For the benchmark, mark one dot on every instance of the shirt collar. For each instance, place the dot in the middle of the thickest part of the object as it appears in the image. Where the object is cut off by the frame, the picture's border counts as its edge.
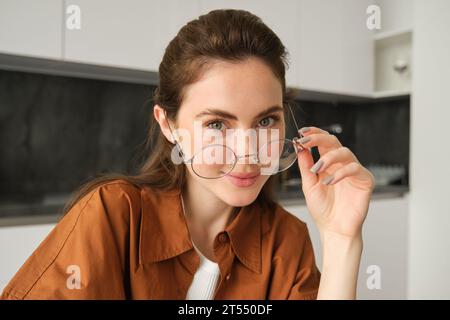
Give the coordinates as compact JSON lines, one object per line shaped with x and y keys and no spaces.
{"x":164,"y":232}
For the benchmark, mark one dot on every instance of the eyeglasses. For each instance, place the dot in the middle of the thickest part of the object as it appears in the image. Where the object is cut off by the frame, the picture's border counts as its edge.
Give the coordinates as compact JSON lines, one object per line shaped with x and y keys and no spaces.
{"x":217,"y":160}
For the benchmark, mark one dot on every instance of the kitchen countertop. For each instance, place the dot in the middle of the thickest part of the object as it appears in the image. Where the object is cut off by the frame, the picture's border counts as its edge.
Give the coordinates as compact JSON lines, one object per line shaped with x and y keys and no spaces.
{"x":14,"y":215}
{"x":296,"y":197}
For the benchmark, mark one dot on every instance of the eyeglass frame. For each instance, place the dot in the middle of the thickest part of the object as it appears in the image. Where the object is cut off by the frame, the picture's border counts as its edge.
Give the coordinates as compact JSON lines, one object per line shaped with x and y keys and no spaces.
{"x":295,"y":142}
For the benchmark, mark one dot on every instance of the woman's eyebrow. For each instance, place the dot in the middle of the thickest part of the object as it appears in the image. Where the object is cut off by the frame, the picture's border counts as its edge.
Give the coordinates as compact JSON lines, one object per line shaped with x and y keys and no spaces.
{"x":225,"y":114}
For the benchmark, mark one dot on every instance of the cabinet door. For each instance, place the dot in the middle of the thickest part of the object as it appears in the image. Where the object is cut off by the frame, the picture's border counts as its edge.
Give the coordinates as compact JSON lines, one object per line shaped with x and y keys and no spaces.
{"x":31,"y":28}
{"x":385,"y":236}
{"x":335,"y":47}
{"x":130,"y":34}
{"x":356,"y":74}
{"x":395,"y":15}
{"x":282,"y":18}
{"x":385,"y":250}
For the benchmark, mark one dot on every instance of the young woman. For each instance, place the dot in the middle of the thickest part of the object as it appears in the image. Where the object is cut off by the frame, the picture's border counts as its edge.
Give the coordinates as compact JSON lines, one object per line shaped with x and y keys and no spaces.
{"x":187,"y":230}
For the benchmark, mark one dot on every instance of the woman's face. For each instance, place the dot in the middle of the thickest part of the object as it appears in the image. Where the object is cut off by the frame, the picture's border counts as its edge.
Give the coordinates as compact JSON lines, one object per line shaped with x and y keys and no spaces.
{"x":229,"y":104}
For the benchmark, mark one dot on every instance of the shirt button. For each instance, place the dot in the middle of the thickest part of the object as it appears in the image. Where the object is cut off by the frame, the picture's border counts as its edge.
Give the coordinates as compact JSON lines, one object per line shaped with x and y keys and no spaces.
{"x":223,"y":237}
{"x":228,"y":277}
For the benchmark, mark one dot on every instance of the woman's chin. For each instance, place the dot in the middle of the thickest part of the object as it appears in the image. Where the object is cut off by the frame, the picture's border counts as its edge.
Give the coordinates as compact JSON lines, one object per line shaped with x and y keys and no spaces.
{"x":240,"y":198}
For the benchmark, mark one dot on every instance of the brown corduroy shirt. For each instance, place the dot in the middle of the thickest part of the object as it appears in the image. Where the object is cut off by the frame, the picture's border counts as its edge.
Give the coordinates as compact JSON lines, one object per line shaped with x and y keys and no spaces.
{"x":124,"y":242}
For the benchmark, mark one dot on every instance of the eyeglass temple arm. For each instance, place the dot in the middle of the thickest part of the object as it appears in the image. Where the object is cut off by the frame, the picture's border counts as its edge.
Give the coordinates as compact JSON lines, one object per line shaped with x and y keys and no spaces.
{"x":297,"y":143}
{"x":293,"y":117}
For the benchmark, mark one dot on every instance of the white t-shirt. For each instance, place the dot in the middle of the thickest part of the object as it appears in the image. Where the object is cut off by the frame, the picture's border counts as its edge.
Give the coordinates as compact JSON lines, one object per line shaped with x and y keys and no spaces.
{"x":205,"y":280}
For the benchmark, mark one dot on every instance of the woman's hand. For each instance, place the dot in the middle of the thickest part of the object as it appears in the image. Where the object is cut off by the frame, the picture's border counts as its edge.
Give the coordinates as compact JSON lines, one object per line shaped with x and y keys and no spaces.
{"x":339,"y":207}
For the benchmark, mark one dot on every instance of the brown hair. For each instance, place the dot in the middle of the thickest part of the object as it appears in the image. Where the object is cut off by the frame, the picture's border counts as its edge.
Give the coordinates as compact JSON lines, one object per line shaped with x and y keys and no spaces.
{"x":229,"y":35}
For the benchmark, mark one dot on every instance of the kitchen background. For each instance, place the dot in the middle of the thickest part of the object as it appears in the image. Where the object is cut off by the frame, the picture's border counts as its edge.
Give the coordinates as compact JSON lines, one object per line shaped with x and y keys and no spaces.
{"x":75,"y":103}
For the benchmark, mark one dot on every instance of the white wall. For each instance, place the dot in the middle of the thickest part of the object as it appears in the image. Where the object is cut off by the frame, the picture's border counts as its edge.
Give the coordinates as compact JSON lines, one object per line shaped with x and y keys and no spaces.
{"x":16,"y":245}
{"x":429,"y":243}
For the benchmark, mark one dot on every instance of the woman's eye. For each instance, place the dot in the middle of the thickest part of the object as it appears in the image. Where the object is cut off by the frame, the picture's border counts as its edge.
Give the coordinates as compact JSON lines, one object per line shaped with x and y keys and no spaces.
{"x":267,"y":122}
{"x":216,"y":125}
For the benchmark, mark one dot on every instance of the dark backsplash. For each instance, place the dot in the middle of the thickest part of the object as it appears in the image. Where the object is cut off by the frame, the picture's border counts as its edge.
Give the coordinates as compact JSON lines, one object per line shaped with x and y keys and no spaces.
{"x":57,"y":132}
{"x":377,"y":132}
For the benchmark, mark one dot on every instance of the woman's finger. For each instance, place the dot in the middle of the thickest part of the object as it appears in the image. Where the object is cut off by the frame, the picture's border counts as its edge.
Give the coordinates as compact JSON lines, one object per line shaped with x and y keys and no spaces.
{"x":309,"y":130}
{"x":305,"y":162}
{"x":323,"y":142}
{"x":354,"y":169}
{"x":339,"y":156}
{"x":313,"y":136}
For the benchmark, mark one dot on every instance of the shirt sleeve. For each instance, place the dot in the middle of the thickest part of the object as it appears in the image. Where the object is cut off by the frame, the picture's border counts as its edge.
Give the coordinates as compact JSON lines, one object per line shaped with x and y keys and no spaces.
{"x":307,"y":278}
{"x":84,"y":256}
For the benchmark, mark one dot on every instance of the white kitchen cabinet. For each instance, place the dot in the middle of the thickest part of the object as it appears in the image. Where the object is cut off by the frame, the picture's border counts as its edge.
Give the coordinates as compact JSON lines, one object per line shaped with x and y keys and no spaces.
{"x":393,"y":46}
{"x":31,"y":28}
{"x":335,"y":47}
{"x":395,"y":15}
{"x":128,"y":34}
{"x":330,"y":48}
{"x":385,"y":236}
{"x":16,"y":246}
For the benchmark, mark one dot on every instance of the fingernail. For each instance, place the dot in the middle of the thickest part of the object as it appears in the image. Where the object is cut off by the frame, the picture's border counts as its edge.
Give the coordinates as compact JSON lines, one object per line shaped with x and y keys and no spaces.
{"x":327,"y":180}
{"x":304,"y":129}
{"x":304,"y":140}
{"x":316,"y":166}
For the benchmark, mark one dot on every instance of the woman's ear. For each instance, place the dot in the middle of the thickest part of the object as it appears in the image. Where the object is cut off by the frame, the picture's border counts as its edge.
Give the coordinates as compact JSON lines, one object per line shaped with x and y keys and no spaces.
{"x":163,"y":121}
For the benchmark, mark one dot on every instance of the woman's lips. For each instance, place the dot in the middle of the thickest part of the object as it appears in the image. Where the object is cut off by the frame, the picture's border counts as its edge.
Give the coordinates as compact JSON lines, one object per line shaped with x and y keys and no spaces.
{"x":243,"y":179}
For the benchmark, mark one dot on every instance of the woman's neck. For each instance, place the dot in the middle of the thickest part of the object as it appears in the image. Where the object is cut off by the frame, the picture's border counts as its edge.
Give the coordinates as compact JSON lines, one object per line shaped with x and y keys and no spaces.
{"x":205,"y":209}
{"x":206,"y":216}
